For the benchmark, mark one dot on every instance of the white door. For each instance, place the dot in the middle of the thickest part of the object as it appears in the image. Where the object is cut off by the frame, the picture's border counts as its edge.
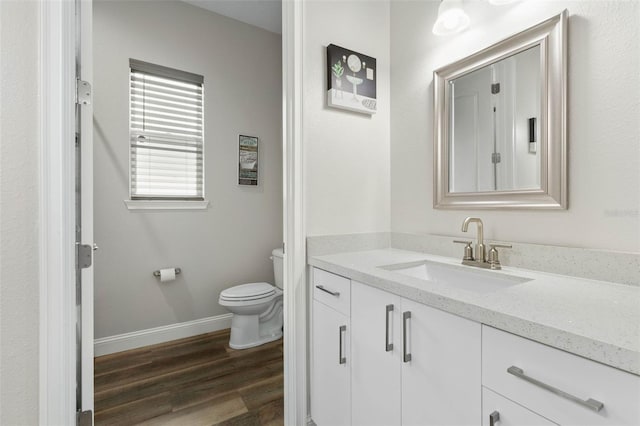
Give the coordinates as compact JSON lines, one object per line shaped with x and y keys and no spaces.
{"x":376,"y":344}
{"x":84,"y":214}
{"x":331,"y":391}
{"x":472,"y":138}
{"x":441,"y":370}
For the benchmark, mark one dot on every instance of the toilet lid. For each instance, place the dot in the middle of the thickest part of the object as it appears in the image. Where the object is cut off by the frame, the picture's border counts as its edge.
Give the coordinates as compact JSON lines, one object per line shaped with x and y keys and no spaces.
{"x":251,"y":290}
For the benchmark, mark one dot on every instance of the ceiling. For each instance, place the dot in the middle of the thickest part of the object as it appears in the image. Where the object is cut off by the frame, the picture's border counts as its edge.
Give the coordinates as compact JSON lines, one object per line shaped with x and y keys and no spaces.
{"x":266,"y":14}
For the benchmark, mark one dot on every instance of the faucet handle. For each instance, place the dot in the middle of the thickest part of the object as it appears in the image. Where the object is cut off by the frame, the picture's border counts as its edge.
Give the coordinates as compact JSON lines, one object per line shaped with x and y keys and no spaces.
{"x":468,"y":250}
{"x":501,"y":245}
{"x":494,"y":260}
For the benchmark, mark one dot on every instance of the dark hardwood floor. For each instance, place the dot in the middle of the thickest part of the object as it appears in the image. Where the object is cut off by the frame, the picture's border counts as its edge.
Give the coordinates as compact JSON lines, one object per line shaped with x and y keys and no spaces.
{"x":190,"y":382}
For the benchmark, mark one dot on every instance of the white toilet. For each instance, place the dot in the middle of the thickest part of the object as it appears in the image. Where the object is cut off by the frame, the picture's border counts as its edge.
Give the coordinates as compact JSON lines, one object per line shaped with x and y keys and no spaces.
{"x":256,"y":308}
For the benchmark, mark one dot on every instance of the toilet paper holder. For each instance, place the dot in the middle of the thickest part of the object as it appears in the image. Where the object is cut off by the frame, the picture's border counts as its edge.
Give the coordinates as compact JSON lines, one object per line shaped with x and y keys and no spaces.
{"x":157,"y":273}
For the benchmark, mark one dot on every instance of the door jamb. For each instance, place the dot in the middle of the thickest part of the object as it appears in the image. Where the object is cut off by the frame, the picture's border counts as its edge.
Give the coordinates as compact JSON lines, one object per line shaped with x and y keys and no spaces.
{"x":295,"y":304}
{"x":57,"y":358}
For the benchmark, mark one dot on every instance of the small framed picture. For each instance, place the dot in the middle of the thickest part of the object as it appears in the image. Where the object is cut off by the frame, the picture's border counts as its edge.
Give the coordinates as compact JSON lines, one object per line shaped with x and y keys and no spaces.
{"x":351,"y":80}
{"x":248,"y":160}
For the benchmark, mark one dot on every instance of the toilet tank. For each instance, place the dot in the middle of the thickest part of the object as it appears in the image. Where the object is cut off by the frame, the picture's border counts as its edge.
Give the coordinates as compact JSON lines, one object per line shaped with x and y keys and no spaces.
{"x":277,"y":255}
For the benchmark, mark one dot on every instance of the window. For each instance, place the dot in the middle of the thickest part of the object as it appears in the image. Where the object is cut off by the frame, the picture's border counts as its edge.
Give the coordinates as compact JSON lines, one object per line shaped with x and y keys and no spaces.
{"x":166,"y":133}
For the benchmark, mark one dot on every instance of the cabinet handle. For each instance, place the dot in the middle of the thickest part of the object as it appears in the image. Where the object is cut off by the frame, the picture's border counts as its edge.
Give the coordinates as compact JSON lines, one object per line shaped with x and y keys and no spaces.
{"x":333,"y":293}
{"x":341,"y":359}
{"x":406,"y":357}
{"x":494,"y":418}
{"x":591,"y":404}
{"x":388,"y":346}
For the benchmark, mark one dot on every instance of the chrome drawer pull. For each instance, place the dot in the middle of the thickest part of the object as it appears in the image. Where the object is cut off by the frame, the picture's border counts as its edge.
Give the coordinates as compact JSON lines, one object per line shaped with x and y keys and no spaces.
{"x":341,"y":359}
{"x":494,"y":418}
{"x":406,"y":357}
{"x":591,"y":404}
{"x":387,"y":346}
{"x":333,"y":293}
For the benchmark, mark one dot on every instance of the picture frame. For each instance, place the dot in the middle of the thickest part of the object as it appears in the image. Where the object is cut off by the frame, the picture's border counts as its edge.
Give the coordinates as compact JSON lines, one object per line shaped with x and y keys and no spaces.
{"x":247,"y":160}
{"x":351,"y":80}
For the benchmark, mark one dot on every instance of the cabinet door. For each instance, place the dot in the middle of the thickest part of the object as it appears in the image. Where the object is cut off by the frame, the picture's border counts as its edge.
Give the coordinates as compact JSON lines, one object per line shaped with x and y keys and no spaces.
{"x":441,"y":381}
{"x":508,"y":413}
{"x":376,"y":343}
{"x":330,"y":376}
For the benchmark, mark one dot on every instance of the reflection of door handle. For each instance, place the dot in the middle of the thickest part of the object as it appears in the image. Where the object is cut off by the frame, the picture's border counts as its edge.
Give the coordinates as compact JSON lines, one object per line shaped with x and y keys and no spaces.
{"x":95,"y":247}
{"x":532,"y":129}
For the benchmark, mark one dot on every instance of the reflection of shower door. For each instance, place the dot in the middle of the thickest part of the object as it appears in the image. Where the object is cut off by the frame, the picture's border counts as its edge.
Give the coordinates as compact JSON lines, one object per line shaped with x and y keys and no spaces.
{"x":471,"y":169}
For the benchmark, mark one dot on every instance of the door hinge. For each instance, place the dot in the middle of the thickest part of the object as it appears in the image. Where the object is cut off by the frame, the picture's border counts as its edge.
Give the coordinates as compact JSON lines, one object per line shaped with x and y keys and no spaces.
{"x":495,"y":88}
{"x":83,"y":92}
{"x":84,"y":418}
{"x":495,"y":157}
{"x":84,"y":253}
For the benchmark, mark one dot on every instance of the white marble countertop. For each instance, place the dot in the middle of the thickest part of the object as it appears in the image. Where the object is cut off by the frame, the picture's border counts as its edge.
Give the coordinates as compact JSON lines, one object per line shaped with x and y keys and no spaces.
{"x":595,"y":319}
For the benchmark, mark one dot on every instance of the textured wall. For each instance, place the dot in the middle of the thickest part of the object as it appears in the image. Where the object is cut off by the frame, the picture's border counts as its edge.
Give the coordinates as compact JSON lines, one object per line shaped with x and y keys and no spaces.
{"x":228,"y":244}
{"x":19,"y":213}
{"x":603,"y":117}
{"x":346,"y":153}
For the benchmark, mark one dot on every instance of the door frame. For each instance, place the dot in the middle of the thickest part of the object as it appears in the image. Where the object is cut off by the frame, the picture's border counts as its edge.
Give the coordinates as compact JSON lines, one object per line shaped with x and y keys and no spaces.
{"x":57,"y":358}
{"x":57,"y":340}
{"x":84,"y":69}
{"x":296,"y":389}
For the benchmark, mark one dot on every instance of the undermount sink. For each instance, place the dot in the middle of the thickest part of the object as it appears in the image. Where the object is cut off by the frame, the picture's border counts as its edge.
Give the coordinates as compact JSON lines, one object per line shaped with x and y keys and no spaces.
{"x":465,"y":278}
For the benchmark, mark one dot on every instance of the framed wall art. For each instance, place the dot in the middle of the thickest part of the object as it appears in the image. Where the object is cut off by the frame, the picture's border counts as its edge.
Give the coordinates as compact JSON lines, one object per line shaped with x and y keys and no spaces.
{"x":248,"y":160}
{"x":351,"y":80}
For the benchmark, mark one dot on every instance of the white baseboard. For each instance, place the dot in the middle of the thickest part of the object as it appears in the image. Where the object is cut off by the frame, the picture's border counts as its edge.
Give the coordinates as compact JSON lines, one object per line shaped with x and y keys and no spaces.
{"x":152,"y":336}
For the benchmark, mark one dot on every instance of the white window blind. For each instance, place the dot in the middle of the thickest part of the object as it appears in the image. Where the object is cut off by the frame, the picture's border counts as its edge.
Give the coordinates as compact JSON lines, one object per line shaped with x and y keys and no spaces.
{"x":166,"y":133}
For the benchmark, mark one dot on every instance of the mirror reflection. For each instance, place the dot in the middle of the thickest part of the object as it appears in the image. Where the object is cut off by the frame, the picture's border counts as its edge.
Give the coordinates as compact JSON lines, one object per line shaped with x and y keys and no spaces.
{"x":495,"y":124}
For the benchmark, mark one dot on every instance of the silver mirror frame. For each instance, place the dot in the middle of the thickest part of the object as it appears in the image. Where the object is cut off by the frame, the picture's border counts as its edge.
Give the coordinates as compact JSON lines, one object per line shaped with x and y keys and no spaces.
{"x":551,"y":36}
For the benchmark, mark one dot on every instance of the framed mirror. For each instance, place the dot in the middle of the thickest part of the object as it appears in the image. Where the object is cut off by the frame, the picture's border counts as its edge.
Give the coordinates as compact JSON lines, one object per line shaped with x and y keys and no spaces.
{"x":500,"y":124}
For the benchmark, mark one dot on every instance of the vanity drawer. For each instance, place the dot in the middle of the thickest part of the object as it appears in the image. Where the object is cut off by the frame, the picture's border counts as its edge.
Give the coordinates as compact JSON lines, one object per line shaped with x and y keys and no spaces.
{"x":332,"y":290}
{"x":499,"y":411}
{"x":550,"y":369}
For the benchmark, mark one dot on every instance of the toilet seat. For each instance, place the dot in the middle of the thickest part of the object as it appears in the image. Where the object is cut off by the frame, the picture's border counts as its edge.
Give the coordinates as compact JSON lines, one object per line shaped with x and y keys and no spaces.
{"x":248,"y":292}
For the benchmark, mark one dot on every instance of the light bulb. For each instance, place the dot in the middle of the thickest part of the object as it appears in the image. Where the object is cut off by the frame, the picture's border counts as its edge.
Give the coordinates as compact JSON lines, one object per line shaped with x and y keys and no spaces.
{"x":452,"y":18}
{"x":450,"y":21}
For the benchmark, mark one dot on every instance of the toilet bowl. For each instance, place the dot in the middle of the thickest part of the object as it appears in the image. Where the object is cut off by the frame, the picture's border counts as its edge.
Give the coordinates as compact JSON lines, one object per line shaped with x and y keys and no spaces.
{"x":256,"y":308}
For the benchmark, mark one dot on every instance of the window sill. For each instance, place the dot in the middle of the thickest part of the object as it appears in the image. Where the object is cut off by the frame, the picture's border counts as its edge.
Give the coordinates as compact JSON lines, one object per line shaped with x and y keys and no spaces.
{"x":166,"y":205}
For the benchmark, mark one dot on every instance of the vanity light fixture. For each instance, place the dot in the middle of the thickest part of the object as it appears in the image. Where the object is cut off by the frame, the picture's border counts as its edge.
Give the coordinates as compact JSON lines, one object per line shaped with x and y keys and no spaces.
{"x":452,"y":18}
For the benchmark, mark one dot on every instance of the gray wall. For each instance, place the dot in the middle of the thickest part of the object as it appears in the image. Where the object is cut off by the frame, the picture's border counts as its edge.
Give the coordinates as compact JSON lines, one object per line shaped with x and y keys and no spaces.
{"x":19,"y":35}
{"x":603,"y":121}
{"x":225,"y":245}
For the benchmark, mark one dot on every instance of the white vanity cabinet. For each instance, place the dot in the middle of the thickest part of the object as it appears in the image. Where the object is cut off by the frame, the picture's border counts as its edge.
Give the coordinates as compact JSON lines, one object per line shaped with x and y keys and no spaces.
{"x":564,"y":388}
{"x":411,"y":364}
{"x":330,"y":354}
{"x":382,"y":359}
